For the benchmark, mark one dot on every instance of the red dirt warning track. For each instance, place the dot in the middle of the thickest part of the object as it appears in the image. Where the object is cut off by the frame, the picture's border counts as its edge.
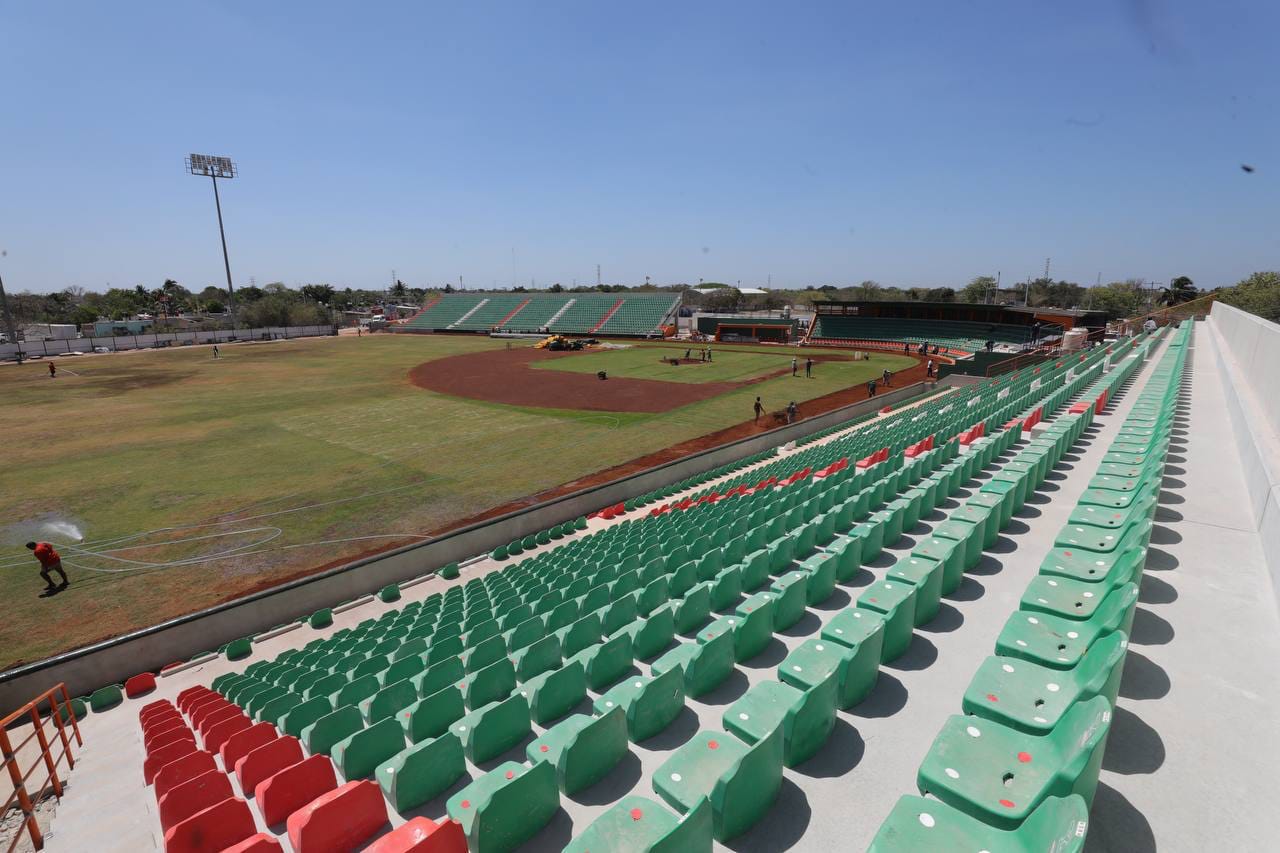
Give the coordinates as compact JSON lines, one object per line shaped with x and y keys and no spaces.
{"x":504,"y":376}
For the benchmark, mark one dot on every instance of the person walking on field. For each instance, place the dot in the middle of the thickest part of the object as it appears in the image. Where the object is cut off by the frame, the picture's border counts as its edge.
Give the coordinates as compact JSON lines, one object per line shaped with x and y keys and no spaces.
{"x":759,"y":409}
{"x":871,"y":388}
{"x":794,"y":366}
{"x":53,"y":370}
{"x":215,"y":351}
{"x":49,"y":562}
{"x":808,"y":368}
{"x":928,"y":369}
{"x":708,"y":353}
{"x":792,"y":411}
{"x":885,"y":377}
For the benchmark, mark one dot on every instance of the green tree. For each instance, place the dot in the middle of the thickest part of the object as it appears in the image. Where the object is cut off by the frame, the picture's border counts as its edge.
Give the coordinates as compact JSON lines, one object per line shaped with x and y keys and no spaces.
{"x":1181,"y":289}
{"x":1258,"y":294}
{"x":1118,"y":299}
{"x":978,"y":289}
{"x":321,"y":293}
{"x":869,"y":290}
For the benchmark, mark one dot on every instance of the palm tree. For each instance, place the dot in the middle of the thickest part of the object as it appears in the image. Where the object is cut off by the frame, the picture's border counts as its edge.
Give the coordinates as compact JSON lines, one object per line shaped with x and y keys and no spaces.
{"x":1180,"y":290}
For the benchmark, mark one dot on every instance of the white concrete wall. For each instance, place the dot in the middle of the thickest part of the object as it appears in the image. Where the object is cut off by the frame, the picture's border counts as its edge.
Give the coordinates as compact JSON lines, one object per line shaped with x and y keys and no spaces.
{"x":145,"y":341}
{"x":1249,"y":366}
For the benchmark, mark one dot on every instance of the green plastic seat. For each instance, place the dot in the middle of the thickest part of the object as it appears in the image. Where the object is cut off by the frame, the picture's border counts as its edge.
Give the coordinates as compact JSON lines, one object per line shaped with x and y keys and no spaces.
{"x":752,"y":626}
{"x":1033,"y":698}
{"x":556,"y":693}
{"x":320,"y":736}
{"x":507,"y":806}
{"x":726,"y":589}
{"x":705,"y":664}
{"x":896,"y":603}
{"x":619,"y":614}
{"x":682,"y":579}
{"x":438,"y":676}
{"x":639,"y":824}
{"x":652,"y":635}
{"x":1060,"y":643}
{"x":1000,"y":775}
{"x":491,"y":684}
{"x":649,"y":704}
{"x":582,"y":749}
{"x":861,"y":633}
{"x":979,"y":516}
{"x":297,"y":718}
{"x":605,"y":663}
{"x":964,"y":532}
{"x":927,"y":576}
{"x":890,"y":520}
{"x":821,"y":569}
{"x":431,"y":716}
{"x":694,"y":610}
{"x":1058,"y":824}
{"x":486,"y":652}
{"x":540,"y":656}
{"x":360,"y":753}
{"x":848,"y":553}
{"x":387,"y":701}
{"x":490,"y":731}
{"x":804,"y":718}
{"x":743,"y":780}
{"x":1076,"y":599}
{"x":790,"y":593}
{"x":872,"y":535}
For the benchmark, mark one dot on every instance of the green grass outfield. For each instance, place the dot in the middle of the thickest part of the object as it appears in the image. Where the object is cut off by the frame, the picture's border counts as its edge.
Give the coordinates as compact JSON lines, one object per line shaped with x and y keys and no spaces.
{"x":271,"y":458}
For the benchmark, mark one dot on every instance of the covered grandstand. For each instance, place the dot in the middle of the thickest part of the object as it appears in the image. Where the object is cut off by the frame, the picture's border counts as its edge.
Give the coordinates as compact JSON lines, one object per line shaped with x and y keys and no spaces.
{"x":993,"y":619}
{"x":612,"y":314}
{"x":958,"y":328}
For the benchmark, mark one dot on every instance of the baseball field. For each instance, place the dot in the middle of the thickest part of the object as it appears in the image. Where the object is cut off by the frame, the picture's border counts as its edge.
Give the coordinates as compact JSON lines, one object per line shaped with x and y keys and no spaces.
{"x":170,"y":480}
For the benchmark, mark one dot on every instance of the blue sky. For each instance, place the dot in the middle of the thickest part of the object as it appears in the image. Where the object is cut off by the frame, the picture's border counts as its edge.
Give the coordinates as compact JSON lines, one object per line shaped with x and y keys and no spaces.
{"x":911,"y":143}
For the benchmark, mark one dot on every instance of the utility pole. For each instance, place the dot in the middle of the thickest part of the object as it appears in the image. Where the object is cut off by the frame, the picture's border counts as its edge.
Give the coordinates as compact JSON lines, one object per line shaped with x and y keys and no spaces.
{"x":597,"y":275}
{"x":990,"y":295}
{"x":1046,"y":269}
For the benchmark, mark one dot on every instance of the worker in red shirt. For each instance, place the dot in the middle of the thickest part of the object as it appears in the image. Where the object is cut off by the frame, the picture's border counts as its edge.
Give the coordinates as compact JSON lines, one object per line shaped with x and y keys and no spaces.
{"x":50,"y":561}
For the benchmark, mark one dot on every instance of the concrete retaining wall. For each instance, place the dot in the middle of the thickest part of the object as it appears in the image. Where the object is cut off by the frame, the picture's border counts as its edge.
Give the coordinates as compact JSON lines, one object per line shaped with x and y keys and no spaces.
{"x":1249,"y":368}
{"x":113,"y":661}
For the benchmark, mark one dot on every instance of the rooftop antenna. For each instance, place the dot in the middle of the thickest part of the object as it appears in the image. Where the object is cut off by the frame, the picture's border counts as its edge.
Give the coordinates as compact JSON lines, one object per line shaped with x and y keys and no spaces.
{"x":597,"y":275}
{"x":207,"y":165}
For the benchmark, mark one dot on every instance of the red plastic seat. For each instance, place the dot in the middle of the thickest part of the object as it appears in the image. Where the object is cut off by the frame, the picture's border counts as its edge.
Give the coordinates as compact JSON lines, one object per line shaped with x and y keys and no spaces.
{"x":143,"y":682}
{"x":216,"y":828}
{"x":422,"y":835}
{"x":194,"y":795}
{"x":293,"y":787}
{"x":339,"y":820}
{"x":260,"y":843}
{"x":163,"y":756}
{"x":245,"y":741}
{"x":187,"y":767}
{"x":267,"y":760}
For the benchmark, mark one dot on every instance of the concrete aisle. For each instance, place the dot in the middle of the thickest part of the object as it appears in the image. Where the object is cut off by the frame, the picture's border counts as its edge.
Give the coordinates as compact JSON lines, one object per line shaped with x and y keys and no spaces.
{"x":1191,"y":761}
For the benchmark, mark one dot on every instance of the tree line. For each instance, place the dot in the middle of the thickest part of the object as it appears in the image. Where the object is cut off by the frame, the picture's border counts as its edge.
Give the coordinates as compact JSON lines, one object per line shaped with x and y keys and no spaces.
{"x":276,"y":304}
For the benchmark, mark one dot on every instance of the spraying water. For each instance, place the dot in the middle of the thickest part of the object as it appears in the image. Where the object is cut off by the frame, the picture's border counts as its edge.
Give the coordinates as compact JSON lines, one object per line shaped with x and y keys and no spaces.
{"x":63,"y":529}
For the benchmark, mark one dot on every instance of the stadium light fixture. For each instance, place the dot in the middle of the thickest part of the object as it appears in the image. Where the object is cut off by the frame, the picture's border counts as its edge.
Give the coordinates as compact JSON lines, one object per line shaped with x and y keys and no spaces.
{"x":213,"y":167}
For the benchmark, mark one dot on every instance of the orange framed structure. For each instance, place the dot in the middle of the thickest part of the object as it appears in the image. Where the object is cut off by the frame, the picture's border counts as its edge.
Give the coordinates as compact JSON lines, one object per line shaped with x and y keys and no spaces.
{"x":52,"y":751}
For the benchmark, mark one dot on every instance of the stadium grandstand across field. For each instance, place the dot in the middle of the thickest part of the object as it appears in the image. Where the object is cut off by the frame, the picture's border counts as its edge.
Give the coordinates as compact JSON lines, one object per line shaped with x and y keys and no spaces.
{"x":1030,"y":613}
{"x":611,"y":314}
{"x":958,"y":328}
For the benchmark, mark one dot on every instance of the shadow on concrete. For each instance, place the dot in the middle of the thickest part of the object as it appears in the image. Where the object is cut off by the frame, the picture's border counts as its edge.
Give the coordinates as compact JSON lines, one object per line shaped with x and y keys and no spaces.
{"x":730,"y":690}
{"x":841,"y":753}
{"x":988,"y":565}
{"x":554,"y":836}
{"x":837,"y":600}
{"x":435,"y":807}
{"x":1004,"y":545}
{"x":1160,"y":561}
{"x":919,"y":655}
{"x":805,"y":625}
{"x":1133,"y":747}
{"x":1150,"y":629}
{"x":772,"y":655}
{"x":1156,"y":591}
{"x":969,"y":590}
{"x":1161,"y":535}
{"x":618,"y":783}
{"x":783,"y":826}
{"x":887,"y":698}
{"x":1173,"y":483}
{"x":947,"y":620}
{"x":1143,"y":678}
{"x":677,"y":732}
{"x":1171,"y":498}
{"x":862,"y":577}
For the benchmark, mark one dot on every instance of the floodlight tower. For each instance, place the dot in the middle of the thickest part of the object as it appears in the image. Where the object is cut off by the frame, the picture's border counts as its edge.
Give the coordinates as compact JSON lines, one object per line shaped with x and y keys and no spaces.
{"x":207,"y":165}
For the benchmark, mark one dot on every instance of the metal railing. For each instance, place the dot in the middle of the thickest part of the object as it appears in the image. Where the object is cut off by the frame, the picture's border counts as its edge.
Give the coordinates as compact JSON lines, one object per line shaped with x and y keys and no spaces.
{"x":1198,"y":308}
{"x":23,"y":787}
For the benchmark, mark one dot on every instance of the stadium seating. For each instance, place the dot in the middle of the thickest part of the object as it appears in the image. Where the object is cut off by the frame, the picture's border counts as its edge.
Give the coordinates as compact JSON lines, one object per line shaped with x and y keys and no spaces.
{"x":962,"y":336}
{"x":393,"y":712}
{"x":605,"y":314}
